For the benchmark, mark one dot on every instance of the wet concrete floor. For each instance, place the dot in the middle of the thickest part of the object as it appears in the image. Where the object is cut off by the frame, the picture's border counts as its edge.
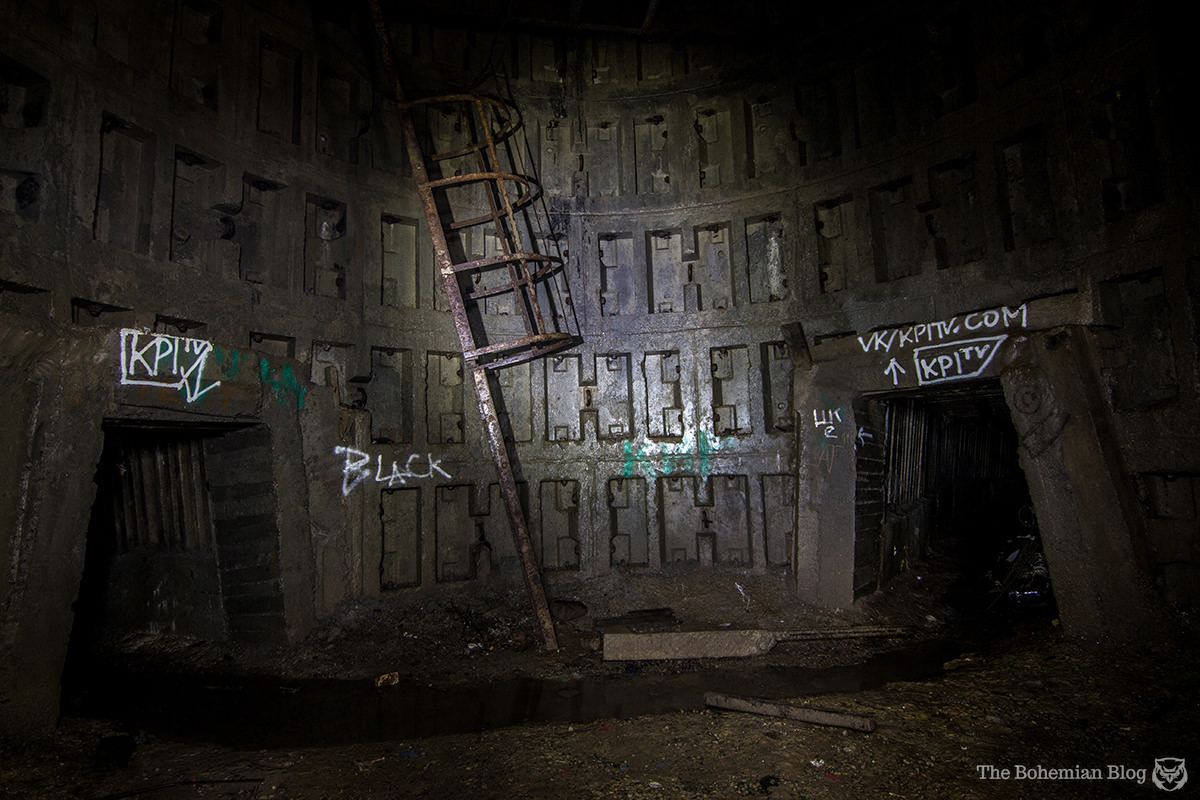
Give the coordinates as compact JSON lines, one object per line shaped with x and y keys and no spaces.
{"x":269,"y":712}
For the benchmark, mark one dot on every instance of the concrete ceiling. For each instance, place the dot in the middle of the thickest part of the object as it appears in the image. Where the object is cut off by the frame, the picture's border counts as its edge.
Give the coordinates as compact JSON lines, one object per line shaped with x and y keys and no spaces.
{"x":669,"y":19}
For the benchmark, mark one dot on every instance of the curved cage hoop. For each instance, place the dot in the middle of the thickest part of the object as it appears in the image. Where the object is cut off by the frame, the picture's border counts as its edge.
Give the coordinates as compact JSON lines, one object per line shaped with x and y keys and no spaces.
{"x":488,"y":206}
{"x":542,"y":303}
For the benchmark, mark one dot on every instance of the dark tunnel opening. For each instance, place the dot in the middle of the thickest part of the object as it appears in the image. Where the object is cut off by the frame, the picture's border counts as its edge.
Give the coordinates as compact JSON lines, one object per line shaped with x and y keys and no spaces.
{"x":873,"y":333}
{"x":150,"y":564}
{"x":182,"y":542}
{"x":945,"y":489}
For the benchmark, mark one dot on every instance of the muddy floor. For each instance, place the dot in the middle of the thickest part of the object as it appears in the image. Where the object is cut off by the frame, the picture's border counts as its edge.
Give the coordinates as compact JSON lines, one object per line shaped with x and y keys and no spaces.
{"x":968,"y":703}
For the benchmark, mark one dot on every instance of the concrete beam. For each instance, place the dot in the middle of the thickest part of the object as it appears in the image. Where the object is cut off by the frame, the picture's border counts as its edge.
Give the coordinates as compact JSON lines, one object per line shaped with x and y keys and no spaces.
{"x":1090,"y":526}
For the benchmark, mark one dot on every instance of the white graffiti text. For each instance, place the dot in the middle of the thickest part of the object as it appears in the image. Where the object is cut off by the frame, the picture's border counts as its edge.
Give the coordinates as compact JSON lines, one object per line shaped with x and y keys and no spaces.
{"x":168,"y":362}
{"x":357,"y":468}
{"x":827,"y":419}
{"x":955,"y":361}
{"x":929,"y":333}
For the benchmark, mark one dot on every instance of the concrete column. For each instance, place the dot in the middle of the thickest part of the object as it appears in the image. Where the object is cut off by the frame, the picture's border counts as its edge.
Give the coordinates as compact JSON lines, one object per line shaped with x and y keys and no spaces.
{"x":824,"y":545}
{"x":1089,"y":521}
{"x":55,"y":440}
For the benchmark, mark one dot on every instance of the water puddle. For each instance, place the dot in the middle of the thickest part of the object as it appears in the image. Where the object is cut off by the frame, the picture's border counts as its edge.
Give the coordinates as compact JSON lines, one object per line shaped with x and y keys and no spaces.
{"x":269,"y":713}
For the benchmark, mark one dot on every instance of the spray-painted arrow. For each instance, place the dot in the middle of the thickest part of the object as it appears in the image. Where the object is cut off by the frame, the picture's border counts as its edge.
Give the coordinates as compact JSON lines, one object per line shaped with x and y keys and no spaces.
{"x":895,"y":370}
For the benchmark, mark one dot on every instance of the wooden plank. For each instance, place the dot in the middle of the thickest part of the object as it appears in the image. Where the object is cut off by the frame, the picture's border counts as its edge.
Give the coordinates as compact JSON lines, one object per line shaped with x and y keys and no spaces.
{"x":816,"y":716}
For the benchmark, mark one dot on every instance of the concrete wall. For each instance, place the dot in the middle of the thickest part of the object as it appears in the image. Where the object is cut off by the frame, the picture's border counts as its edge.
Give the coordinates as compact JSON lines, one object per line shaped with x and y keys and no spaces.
{"x":1070,"y":220}
{"x":229,"y":177}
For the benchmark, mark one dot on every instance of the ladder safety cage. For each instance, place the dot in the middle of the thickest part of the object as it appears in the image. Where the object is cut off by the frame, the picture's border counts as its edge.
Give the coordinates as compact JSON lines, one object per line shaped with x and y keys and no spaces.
{"x":471,"y":160}
{"x":482,"y":170}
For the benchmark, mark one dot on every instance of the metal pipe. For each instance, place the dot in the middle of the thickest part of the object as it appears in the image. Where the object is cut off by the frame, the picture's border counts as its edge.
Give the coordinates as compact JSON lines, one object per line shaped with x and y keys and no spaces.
{"x":816,"y":716}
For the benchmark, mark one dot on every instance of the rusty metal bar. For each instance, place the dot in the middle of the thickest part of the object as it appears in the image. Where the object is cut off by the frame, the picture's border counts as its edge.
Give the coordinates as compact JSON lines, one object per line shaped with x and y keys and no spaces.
{"x":817,"y":716}
{"x":507,"y":234}
{"x":514,"y":229}
{"x":483,"y":393}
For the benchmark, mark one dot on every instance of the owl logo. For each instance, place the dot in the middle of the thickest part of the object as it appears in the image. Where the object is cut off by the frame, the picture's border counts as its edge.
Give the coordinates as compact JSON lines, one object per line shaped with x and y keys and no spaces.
{"x":1170,"y":773}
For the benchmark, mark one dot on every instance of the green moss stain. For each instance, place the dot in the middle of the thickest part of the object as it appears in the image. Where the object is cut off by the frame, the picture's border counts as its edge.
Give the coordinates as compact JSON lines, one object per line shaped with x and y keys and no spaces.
{"x":229,"y":361}
{"x":282,"y":382}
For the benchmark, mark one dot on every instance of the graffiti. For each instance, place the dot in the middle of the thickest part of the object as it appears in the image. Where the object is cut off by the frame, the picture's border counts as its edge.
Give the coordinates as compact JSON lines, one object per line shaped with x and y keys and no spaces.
{"x":827,"y":455}
{"x":828,"y":419}
{"x":938,"y":354}
{"x":863,"y":437}
{"x":356,"y":469}
{"x":177,"y":362}
{"x":895,"y":371}
{"x":168,"y":362}
{"x":937,"y":332}
{"x":955,"y":361}
{"x":282,"y":381}
{"x":230,"y":362}
{"x":830,"y":440}
{"x":664,"y":458}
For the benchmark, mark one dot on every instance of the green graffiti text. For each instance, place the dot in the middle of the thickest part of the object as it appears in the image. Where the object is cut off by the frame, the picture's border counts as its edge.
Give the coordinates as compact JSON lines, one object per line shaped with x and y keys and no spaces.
{"x":282,"y":381}
{"x":665,"y":458}
{"x":230,"y":362}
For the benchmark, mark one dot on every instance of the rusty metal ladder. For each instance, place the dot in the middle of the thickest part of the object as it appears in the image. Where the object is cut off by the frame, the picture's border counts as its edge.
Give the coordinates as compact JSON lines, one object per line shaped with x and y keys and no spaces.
{"x":531,"y":278}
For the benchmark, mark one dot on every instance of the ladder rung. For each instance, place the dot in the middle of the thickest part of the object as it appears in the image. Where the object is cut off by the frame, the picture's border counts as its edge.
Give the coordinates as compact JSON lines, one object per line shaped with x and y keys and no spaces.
{"x":520,"y":349}
{"x":493,"y":262}
{"x":520,"y":201}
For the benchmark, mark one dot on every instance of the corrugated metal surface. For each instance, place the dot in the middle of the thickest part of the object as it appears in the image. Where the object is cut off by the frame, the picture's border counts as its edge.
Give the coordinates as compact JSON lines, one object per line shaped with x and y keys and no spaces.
{"x":907,"y":431}
{"x":946,"y":456}
{"x":159,"y":499}
{"x":152,"y":556}
{"x":195,"y":540}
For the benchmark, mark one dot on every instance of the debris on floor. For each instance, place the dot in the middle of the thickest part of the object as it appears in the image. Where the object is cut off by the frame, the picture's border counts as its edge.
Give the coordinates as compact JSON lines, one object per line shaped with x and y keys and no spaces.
{"x":726,"y":643}
{"x":816,"y":716}
{"x":644,"y":620}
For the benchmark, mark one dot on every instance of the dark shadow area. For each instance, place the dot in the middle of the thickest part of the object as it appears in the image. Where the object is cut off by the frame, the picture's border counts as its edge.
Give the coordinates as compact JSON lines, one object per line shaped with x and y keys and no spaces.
{"x":182,"y":542}
{"x":88,"y":628}
{"x":151,"y":561}
{"x":259,"y":712}
{"x":956,"y":501}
